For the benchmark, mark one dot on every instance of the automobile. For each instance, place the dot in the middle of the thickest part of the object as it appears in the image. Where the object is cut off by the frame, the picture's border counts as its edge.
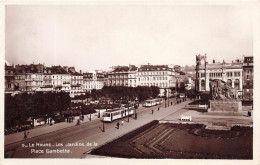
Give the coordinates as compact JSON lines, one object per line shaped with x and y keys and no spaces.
{"x":181,"y":95}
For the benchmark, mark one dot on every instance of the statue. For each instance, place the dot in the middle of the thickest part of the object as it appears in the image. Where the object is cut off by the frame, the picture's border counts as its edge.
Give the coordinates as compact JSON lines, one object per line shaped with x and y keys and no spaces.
{"x":220,"y":90}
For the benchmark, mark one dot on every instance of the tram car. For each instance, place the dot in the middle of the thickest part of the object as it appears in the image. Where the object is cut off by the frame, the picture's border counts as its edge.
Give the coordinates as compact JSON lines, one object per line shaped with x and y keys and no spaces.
{"x":118,"y":113}
{"x":152,"y":102}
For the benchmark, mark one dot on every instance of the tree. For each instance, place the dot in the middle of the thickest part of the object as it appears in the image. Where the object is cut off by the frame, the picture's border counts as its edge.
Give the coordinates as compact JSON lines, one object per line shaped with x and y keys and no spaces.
{"x":63,"y":101}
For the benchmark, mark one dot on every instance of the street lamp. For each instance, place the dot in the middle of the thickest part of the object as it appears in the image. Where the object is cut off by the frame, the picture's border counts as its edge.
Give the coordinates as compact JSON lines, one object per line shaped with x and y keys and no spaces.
{"x":103,"y":130}
{"x":168,"y":98}
{"x":128,"y":111}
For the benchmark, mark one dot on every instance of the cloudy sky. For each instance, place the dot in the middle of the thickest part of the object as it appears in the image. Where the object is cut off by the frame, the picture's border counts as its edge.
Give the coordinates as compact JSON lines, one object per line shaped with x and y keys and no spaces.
{"x":100,"y":36}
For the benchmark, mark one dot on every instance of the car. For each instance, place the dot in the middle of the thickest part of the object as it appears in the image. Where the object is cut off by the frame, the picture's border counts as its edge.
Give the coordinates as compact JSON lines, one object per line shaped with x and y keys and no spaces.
{"x":181,"y":95}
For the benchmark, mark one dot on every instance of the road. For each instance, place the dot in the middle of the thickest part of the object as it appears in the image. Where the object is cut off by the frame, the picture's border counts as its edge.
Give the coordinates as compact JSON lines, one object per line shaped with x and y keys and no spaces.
{"x":72,"y":142}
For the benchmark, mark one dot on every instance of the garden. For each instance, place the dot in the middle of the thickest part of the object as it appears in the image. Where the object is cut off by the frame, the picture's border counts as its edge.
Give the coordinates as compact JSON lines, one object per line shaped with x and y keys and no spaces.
{"x":181,"y":141}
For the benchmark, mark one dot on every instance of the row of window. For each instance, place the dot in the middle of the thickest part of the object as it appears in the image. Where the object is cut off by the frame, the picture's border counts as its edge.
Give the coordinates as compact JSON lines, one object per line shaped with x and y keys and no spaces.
{"x":215,"y":75}
{"x":235,"y":74}
{"x":94,"y":86}
{"x":161,"y":85}
{"x":219,"y":74}
{"x":154,"y":73}
{"x":229,"y":81}
{"x":152,"y":78}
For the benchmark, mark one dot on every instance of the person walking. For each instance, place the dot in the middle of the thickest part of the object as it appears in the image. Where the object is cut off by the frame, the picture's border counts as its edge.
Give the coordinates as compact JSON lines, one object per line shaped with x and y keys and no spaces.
{"x":78,"y":122}
{"x":117,"y":124}
{"x":122,"y":121}
{"x":26,"y":134}
{"x":152,"y":111}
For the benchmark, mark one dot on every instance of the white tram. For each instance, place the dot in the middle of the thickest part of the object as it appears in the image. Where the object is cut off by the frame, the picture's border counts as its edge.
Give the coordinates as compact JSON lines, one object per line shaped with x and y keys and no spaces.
{"x":152,"y":102}
{"x":117,"y":113}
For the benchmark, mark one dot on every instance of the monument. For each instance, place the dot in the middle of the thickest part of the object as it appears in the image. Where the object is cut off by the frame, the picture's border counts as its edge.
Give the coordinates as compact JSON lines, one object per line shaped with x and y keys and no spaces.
{"x":223,"y":98}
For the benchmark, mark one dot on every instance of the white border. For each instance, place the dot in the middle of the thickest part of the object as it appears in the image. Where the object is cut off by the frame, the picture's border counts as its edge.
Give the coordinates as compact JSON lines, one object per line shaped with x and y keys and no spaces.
{"x":256,"y":26}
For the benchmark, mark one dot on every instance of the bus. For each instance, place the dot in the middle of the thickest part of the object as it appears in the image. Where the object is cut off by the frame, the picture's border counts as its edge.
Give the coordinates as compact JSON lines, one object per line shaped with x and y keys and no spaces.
{"x":152,"y":102}
{"x":117,"y":113}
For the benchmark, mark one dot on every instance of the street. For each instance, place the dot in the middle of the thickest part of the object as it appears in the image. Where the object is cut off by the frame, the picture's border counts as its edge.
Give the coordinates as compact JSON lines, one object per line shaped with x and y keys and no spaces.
{"x":73,"y":141}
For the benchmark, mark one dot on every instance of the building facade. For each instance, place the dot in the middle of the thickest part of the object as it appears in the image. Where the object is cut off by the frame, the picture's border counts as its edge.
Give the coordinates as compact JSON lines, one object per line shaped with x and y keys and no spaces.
{"x":93,"y":80}
{"x":28,"y":78}
{"x":231,"y":73}
{"x":161,"y":76}
{"x":9,"y":78}
{"x":248,"y":77}
{"x":122,"y":76}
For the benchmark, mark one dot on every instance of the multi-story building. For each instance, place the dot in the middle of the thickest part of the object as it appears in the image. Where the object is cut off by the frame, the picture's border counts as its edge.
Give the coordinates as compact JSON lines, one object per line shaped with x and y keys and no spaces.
{"x":29,"y":77}
{"x":232,"y":73}
{"x":61,"y":79}
{"x":132,"y":74}
{"x":248,"y":76}
{"x":93,"y":80}
{"x":161,"y":76}
{"x":122,"y":76}
{"x":47,"y":80}
{"x":9,"y":78}
{"x":76,"y":82}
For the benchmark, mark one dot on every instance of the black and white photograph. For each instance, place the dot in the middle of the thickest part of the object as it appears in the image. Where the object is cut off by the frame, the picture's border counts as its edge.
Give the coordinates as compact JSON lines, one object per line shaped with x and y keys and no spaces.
{"x":130,"y":81}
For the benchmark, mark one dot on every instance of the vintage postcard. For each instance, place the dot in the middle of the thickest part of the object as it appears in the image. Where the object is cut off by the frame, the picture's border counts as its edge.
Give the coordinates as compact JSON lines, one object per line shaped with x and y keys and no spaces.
{"x":130,"y":82}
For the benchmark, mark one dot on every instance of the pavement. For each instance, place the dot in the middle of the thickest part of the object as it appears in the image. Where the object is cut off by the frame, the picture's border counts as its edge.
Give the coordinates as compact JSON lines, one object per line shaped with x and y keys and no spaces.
{"x":206,"y":118}
{"x":44,"y":129}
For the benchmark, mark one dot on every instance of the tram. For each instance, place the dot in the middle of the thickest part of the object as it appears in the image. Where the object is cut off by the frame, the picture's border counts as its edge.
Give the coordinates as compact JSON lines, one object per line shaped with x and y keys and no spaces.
{"x":117,"y":113}
{"x":152,"y":102}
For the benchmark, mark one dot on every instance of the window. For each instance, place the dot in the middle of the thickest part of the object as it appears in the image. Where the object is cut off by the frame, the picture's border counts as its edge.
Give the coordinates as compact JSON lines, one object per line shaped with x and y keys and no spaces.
{"x":203,"y":85}
{"x":229,"y":82}
{"x":236,"y":84}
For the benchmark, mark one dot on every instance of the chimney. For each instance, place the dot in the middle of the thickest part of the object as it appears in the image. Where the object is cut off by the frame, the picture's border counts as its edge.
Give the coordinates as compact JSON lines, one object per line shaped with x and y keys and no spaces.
{"x":80,"y":71}
{"x":214,"y":61}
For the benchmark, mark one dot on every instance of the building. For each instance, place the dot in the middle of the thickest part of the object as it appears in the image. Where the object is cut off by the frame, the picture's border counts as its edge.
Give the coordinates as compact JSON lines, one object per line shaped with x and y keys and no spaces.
{"x":47,"y":80}
{"x":231,"y":73}
{"x":122,"y":76}
{"x":28,"y":78}
{"x":93,"y":80}
{"x":132,"y":73}
{"x":161,"y":76}
{"x":61,"y":79}
{"x":248,"y":77}
{"x":9,"y":78}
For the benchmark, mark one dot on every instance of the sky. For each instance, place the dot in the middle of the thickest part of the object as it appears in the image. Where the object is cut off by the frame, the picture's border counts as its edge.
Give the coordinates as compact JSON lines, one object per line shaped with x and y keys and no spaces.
{"x":92,"y":37}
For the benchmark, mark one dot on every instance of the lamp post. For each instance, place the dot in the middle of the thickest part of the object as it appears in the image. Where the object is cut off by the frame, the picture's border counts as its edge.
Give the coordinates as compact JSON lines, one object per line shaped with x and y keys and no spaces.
{"x":128,"y":111}
{"x":168,"y":98}
{"x":103,"y":130}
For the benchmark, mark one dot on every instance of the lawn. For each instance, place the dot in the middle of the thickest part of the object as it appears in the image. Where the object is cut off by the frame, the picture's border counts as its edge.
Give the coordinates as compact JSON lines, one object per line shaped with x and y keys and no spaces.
{"x":181,"y":141}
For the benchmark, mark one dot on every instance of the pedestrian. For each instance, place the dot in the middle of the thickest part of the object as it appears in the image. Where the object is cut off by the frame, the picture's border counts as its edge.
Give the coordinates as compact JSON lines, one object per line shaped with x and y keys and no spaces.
{"x":117,"y":124}
{"x":158,"y":108}
{"x":26,"y":134}
{"x":50,"y":122}
{"x":78,"y":122}
{"x":152,"y":111}
{"x":171,"y":103}
{"x":122,"y":121}
{"x":82,"y":117}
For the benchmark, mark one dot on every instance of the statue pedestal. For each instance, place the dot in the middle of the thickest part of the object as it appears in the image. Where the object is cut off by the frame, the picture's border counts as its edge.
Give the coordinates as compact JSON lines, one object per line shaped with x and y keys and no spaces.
{"x":226,"y":106}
